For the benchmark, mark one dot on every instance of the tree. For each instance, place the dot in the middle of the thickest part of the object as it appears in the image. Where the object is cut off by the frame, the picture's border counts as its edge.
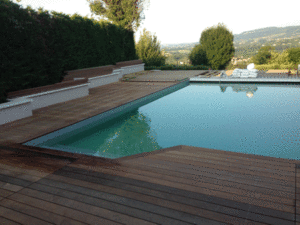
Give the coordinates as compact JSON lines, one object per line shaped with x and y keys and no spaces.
{"x":218,"y":45}
{"x":280,"y":59}
{"x":148,"y":49}
{"x":198,"y":56}
{"x":263,"y":56}
{"x":121,"y":12}
{"x":294,"y":55}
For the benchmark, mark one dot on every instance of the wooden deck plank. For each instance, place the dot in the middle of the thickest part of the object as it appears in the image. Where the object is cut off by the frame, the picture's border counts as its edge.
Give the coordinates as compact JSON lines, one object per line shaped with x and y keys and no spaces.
{"x":265,"y":159}
{"x":238,"y":159}
{"x":83,"y":202}
{"x":5,"y":221}
{"x":38,"y":213}
{"x":229,"y":165}
{"x":189,"y":171}
{"x":244,"y":196}
{"x":121,"y":191}
{"x":216,"y":169}
{"x":15,"y":181}
{"x":127,"y":198}
{"x":222,"y":166}
{"x":11,"y":187}
{"x":57,"y":210}
{"x":215,"y":184}
{"x":4,"y":193}
{"x":206,"y":185}
{"x":297,"y":194}
{"x":250,"y":184}
{"x":21,"y":169}
{"x":210,"y":211}
{"x":210,"y":196}
{"x":233,"y":163}
{"x":31,"y":160}
{"x":20,"y":217}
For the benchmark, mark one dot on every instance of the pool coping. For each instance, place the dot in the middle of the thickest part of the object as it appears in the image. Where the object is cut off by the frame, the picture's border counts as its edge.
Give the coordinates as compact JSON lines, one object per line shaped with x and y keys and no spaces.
{"x":105,"y":116}
{"x":245,"y":80}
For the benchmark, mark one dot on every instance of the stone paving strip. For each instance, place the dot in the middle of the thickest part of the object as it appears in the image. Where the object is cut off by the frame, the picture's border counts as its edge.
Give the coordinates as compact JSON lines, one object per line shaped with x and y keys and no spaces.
{"x":163,"y":75}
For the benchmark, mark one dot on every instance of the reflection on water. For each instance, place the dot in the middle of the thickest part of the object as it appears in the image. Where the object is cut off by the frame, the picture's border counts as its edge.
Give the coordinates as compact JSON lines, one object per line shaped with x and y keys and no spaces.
{"x":125,"y":135}
{"x":248,"y":88}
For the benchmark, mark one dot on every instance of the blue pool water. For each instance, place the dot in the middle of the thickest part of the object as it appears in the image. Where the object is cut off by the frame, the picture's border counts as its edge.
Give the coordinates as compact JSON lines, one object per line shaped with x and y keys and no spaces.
{"x":249,"y":118}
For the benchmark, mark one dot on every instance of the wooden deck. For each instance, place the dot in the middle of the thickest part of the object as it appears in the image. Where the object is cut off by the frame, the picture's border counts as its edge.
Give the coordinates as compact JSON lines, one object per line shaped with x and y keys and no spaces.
{"x":178,"y":185}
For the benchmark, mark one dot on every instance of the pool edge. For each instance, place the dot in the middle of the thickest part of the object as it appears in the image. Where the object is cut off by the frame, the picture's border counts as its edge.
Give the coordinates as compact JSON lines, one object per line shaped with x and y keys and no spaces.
{"x":107,"y":111}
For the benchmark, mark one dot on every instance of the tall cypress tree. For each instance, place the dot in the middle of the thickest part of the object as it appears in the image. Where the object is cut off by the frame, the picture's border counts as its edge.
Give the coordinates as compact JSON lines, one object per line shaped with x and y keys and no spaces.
{"x":148,"y":49}
{"x":218,"y":45}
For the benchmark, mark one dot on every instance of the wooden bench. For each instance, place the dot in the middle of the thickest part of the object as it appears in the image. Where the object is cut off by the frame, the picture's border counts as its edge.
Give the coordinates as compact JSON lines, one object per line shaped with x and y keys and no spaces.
{"x":69,"y":78}
{"x":41,"y":89}
{"x":129,"y":63}
{"x":88,"y":73}
{"x":99,"y":71}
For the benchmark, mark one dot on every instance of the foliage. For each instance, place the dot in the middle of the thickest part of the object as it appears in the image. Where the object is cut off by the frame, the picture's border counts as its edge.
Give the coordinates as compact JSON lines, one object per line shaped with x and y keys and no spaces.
{"x":38,"y":48}
{"x":218,"y":45}
{"x":198,"y":56}
{"x":275,"y":60}
{"x":294,"y":55}
{"x":275,"y":67}
{"x":280,"y":59}
{"x":263,"y":55}
{"x":240,"y":65}
{"x":123,"y":13}
{"x":148,"y":50}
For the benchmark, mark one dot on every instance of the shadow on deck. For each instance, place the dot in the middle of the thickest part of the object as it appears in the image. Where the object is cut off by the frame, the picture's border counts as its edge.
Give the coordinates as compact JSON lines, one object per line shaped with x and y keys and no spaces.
{"x":177,"y":185}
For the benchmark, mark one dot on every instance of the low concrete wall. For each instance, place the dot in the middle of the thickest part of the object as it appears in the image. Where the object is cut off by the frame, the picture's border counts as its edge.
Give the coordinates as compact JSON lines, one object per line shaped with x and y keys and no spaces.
{"x":115,"y":76}
{"x":31,"y":91}
{"x":57,"y":96}
{"x":89,"y":72}
{"x":133,"y":69}
{"x":23,"y":102}
{"x":104,"y":79}
{"x":17,"y":109}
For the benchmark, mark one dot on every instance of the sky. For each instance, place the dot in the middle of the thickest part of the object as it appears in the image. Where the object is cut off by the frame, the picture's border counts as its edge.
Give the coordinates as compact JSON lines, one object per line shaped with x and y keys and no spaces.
{"x":175,"y":22}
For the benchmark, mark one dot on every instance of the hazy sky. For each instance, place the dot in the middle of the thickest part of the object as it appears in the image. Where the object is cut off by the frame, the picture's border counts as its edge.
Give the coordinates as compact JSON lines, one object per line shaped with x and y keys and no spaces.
{"x":183,"y":21}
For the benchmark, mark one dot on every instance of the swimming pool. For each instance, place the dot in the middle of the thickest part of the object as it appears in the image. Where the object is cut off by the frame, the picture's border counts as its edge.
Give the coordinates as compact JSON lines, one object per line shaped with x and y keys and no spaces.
{"x":261,"y":119}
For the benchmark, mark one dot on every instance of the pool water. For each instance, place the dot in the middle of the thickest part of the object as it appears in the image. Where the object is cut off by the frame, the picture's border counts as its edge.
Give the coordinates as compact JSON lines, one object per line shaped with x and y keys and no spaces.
{"x":249,"y":118}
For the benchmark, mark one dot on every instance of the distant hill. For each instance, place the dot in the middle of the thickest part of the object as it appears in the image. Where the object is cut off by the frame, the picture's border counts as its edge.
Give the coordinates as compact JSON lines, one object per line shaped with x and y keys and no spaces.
{"x":249,"y":42}
{"x":267,"y":33}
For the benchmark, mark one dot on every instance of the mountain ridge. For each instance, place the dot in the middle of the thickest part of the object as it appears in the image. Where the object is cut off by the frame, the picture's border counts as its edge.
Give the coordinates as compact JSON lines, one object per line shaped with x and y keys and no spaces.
{"x":261,"y":33}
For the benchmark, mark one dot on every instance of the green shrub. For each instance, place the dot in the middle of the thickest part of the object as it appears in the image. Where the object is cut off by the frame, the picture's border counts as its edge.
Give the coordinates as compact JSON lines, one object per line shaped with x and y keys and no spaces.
{"x":198,"y":56}
{"x":276,"y":66}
